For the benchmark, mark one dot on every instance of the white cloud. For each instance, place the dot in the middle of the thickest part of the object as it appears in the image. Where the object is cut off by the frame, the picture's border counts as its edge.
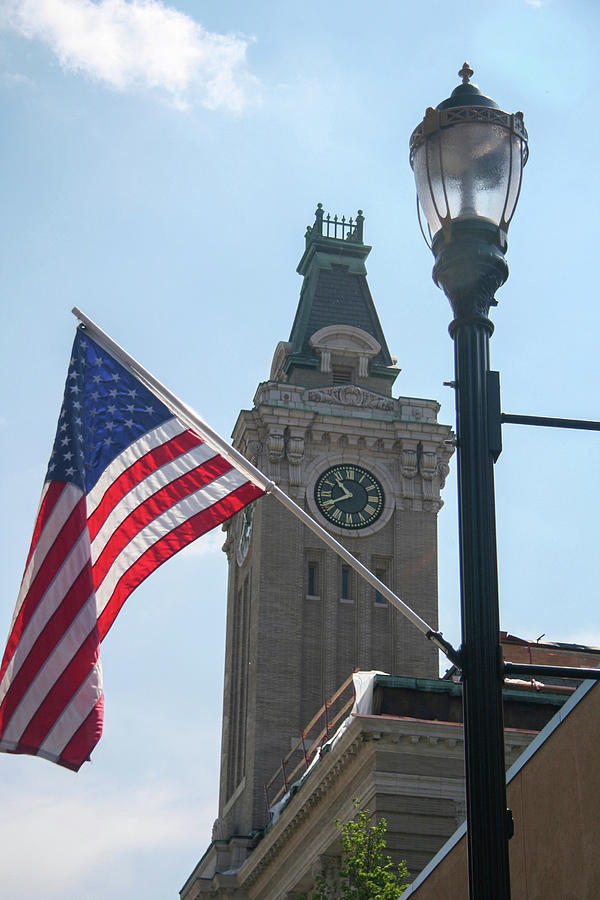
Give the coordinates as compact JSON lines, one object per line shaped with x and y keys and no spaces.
{"x":209,"y":544}
{"x":140,"y":44}
{"x":73,"y":834}
{"x":14,"y":80}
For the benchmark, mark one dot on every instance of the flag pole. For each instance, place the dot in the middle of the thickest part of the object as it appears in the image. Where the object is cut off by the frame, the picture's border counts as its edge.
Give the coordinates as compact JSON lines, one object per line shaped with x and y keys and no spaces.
{"x":191,"y":418}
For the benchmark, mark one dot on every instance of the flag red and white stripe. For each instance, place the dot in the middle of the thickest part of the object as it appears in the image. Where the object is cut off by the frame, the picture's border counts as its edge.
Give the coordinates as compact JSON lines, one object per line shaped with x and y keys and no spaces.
{"x":124,"y":500}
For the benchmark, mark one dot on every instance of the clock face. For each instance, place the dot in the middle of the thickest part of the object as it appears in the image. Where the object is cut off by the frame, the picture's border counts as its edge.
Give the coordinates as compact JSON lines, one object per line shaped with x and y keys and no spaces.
{"x":245,"y":533}
{"x":349,"y":496}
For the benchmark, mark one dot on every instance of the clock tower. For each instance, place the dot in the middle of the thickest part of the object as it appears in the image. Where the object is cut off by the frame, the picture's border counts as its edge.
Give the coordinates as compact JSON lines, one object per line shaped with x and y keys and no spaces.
{"x":369,"y":467}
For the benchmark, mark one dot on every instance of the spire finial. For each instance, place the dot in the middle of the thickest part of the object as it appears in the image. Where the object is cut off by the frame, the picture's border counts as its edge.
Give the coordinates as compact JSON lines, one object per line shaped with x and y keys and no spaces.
{"x":466,"y":72}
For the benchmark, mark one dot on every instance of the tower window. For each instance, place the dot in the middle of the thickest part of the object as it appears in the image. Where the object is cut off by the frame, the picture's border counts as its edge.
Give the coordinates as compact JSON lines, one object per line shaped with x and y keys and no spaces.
{"x":342,"y":375}
{"x":345,"y":584}
{"x":313,"y":577}
{"x":238,"y":702}
{"x":381,"y":574}
{"x":381,"y":566}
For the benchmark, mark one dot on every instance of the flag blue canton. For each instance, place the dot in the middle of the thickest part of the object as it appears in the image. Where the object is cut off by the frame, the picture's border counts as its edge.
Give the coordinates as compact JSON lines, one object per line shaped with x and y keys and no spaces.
{"x":104,"y":410}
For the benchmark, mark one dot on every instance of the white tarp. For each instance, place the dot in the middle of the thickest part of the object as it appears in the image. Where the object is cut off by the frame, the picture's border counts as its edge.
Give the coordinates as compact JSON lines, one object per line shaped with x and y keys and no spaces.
{"x":363,"y":706}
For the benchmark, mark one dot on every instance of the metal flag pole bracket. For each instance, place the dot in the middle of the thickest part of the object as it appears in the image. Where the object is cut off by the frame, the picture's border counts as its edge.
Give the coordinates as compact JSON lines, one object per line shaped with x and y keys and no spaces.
{"x":446,"y":648}
{"x":218,"y":443}
{"x":550,"y":422}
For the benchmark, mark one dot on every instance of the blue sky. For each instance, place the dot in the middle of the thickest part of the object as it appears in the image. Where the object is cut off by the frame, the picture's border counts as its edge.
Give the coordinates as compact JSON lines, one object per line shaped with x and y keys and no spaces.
{"x":160,"y":162}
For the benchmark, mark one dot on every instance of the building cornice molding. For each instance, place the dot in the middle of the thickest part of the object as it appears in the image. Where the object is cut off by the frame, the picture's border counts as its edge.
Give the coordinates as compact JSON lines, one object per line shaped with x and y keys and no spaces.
{"x":373,"y":733}
{"x":349,"y":399}
{"x":441,"y":739}
{"x":290,"y":443}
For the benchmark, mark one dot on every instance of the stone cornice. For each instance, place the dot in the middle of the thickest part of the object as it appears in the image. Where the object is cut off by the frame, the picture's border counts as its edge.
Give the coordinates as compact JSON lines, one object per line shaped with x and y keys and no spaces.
{"x":381,"y":734}
{"x":441,"y":739}
{"x":347,"y":400}
{"x":286,"y":441}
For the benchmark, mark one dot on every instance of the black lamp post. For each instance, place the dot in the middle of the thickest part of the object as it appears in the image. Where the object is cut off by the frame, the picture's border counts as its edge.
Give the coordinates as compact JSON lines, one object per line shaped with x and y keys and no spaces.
{"x":468,"y":157}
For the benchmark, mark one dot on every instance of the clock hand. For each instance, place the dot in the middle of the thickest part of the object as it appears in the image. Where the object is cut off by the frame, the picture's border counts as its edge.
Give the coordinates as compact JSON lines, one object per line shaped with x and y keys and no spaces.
{"x":333,"y":500}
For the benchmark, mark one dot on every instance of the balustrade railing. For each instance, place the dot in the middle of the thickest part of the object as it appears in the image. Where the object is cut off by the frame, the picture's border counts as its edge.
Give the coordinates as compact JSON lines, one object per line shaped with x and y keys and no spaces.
{"x":299,"y":758}
{"x":336,"y":227}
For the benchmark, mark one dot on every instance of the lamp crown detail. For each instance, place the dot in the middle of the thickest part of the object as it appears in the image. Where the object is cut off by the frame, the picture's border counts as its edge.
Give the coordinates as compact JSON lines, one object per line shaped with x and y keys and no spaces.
{"x":466,"y":73}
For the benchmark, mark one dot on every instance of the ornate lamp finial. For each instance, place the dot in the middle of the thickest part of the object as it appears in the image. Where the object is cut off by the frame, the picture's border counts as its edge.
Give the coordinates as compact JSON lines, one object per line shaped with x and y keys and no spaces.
{"x":466,"y":72}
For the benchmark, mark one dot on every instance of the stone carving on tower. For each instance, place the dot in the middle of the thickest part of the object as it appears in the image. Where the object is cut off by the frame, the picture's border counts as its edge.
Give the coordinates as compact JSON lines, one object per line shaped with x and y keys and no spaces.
{"x":369,"y":467}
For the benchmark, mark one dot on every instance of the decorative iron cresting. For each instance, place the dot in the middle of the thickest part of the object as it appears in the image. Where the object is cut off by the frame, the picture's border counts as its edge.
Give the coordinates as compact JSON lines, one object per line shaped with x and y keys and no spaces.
{"x":335,"y":227}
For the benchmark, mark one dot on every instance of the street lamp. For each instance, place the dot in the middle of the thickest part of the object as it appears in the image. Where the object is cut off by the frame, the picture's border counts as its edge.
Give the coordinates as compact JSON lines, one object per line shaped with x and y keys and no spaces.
{"x":468,"y":156}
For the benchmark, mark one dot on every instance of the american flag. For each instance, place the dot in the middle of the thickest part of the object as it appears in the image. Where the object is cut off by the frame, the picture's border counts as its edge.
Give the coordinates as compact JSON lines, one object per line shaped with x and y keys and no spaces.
{"x":128,"y":485}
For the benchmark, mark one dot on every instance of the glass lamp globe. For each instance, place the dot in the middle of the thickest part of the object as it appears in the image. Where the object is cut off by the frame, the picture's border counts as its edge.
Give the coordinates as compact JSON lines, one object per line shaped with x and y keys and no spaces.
{"x":467,"y":156}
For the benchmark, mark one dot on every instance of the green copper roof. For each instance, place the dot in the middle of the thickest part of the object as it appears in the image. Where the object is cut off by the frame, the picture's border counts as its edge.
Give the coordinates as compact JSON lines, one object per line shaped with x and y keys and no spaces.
{"x":335,"y":289}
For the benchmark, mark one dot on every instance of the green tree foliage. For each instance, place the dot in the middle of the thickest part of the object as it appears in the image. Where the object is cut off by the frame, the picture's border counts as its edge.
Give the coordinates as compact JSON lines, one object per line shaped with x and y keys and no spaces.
{"x":365,"y":873}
